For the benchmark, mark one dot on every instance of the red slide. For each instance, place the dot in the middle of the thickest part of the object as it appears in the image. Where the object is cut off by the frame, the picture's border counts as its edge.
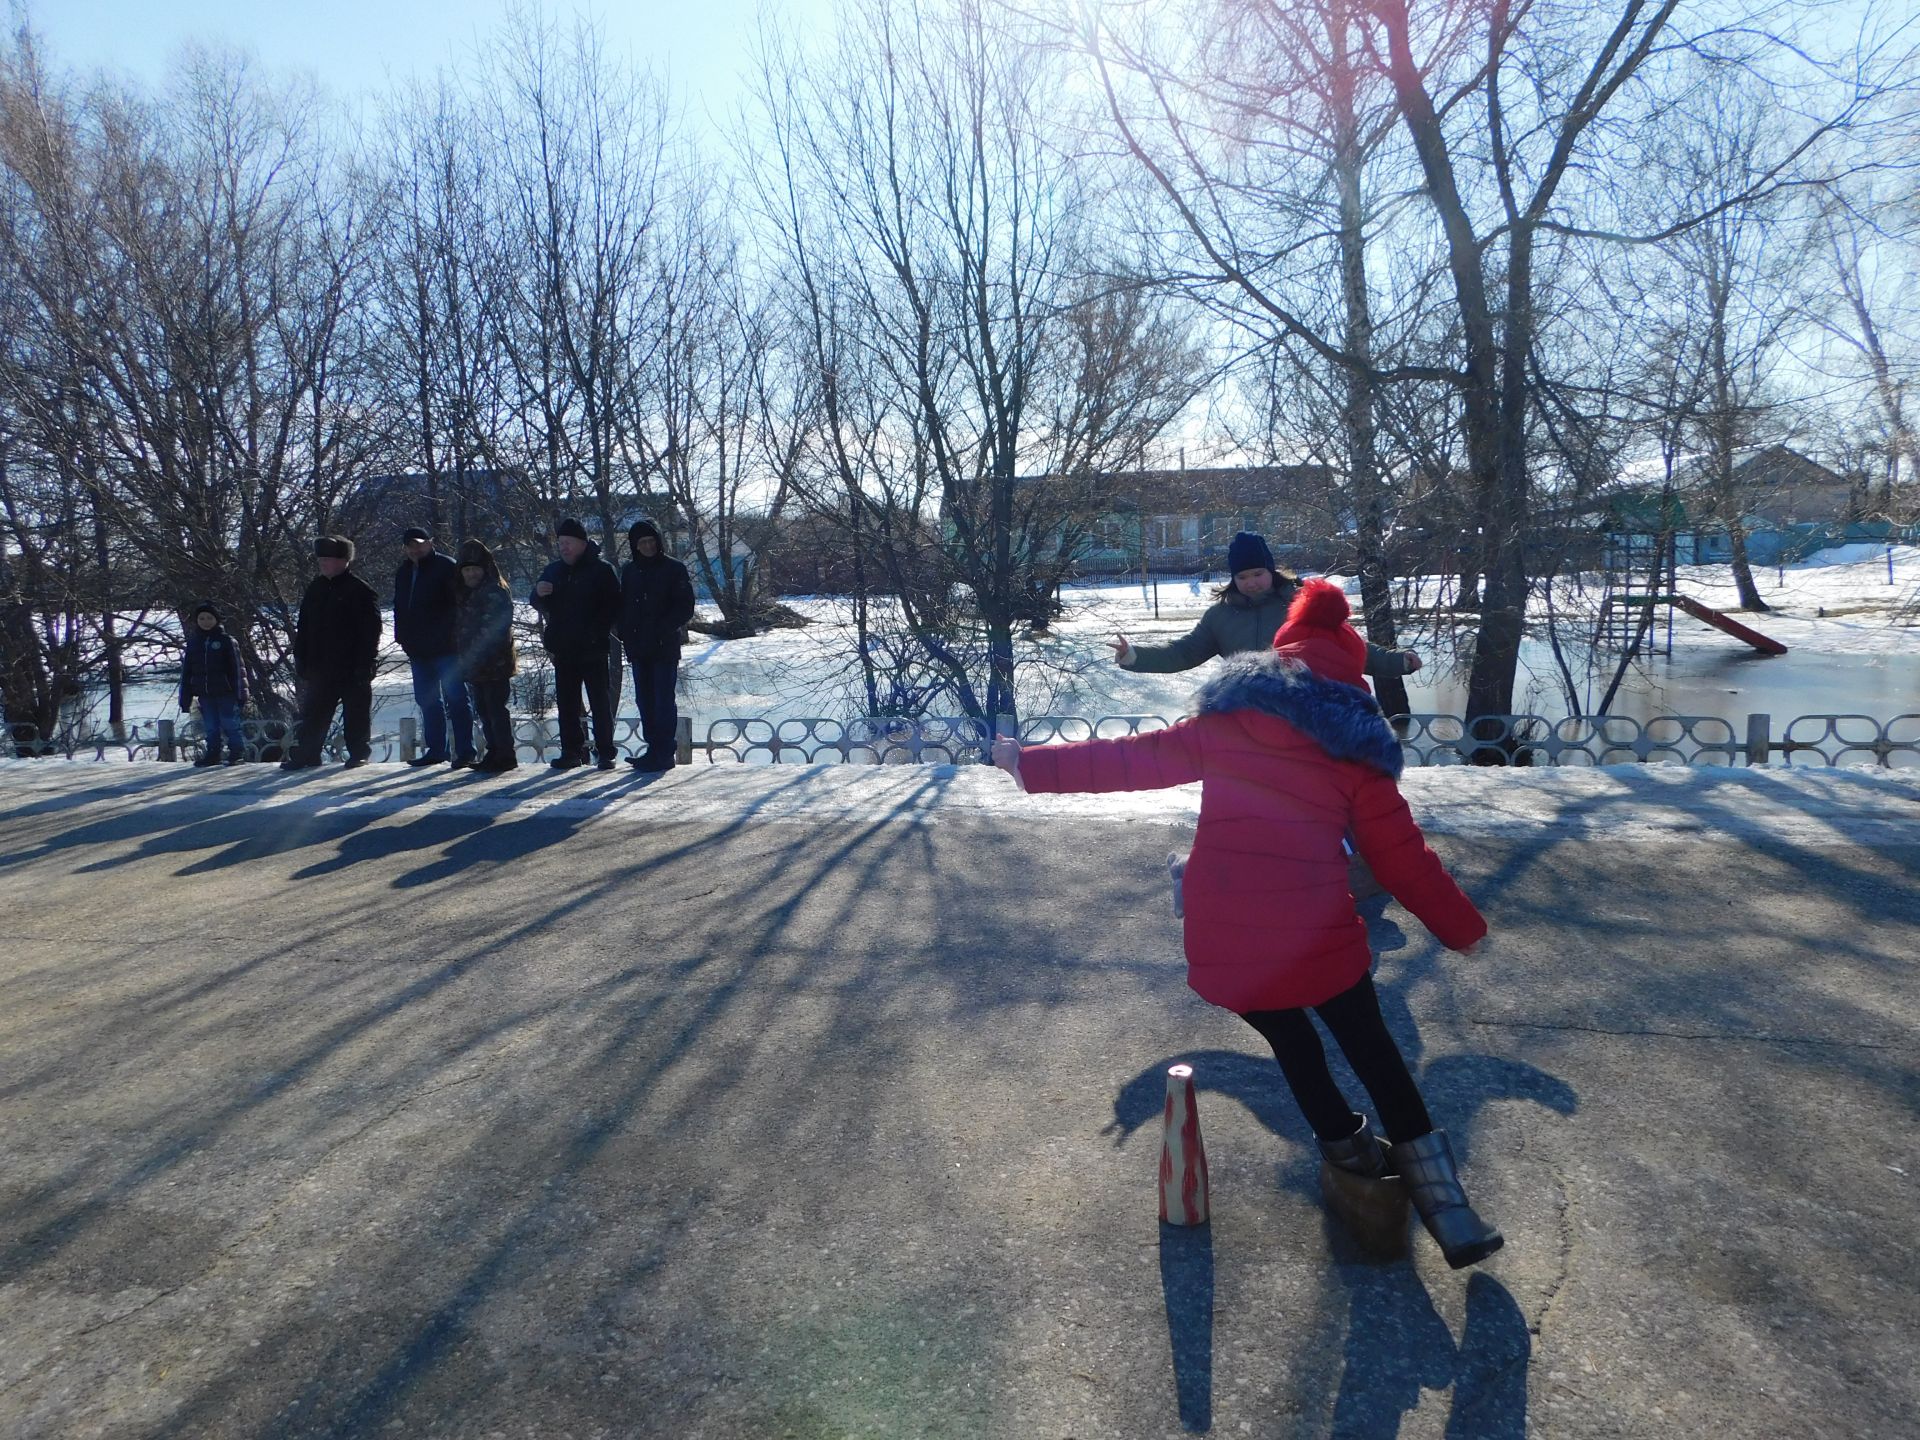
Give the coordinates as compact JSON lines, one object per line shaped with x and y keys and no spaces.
{"x":1731,"y":626}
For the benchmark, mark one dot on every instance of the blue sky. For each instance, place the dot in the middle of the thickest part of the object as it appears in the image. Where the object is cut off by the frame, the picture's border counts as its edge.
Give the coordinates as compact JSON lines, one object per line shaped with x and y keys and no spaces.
{"x":360,"y":45}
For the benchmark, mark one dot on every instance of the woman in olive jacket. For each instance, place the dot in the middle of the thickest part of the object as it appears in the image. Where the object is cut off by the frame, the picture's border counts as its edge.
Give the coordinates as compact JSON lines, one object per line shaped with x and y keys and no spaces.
{"x":483,"y":643}
{"x":1242,"y":619}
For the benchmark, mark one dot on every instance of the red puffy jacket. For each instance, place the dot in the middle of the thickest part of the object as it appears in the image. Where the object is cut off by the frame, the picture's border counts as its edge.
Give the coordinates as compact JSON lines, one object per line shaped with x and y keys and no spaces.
{"x":1289,"y":763}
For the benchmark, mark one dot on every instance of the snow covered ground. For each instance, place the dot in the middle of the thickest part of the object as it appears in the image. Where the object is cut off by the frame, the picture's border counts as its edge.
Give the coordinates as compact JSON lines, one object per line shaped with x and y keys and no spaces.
{"x":1835,"y":604}
{"x":1850,"y":650}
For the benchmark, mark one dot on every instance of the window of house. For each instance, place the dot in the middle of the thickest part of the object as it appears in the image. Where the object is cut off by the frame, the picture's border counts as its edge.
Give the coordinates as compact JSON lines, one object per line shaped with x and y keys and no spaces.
{"x":1173,"y":532}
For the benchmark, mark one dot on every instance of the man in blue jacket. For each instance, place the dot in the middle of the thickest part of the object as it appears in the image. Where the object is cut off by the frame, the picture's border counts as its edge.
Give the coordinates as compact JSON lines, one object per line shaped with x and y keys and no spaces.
{"x":425,"y":589}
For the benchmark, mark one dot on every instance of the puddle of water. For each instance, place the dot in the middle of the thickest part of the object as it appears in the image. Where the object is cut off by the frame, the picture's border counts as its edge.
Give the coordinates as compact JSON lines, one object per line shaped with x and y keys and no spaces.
{"x":1730,"y":685}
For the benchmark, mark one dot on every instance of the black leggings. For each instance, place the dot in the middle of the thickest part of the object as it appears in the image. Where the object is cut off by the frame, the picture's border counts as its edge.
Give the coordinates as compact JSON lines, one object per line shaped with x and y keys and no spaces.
{"x":1353,"y":1017}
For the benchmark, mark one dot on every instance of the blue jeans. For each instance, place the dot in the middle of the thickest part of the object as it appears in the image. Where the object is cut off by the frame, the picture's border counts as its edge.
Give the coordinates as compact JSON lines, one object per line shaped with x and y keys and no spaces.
{"x":220,"y":720}
{"x":442,"y":697}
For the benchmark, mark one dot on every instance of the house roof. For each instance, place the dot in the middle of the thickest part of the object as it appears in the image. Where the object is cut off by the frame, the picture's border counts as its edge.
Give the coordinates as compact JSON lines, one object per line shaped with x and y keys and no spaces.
{"x":1236,"y":487}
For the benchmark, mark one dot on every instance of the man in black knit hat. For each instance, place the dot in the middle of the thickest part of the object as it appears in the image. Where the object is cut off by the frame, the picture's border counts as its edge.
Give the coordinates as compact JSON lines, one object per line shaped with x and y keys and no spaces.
{"x":336,"y":645}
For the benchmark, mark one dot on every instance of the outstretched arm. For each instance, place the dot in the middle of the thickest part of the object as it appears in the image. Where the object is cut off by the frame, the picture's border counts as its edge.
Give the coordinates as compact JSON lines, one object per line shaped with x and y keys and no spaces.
{"x":1006,"y":754}
{"x":1156,"y":760}
{"x":1385,"y":664}
{"x":1391,"y":843}
{"x":1196,"y":647}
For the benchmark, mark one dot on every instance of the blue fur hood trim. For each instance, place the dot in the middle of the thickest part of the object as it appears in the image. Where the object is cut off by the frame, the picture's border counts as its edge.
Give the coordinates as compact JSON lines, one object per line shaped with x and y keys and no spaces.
{"x":1344,"y":721}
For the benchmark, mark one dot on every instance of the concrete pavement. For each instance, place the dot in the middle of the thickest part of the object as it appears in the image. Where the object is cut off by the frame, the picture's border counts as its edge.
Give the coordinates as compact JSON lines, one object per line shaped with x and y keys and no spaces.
{"x":823,"y":1103}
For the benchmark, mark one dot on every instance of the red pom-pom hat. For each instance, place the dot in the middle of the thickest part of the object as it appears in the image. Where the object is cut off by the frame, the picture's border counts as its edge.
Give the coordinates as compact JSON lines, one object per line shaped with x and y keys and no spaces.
{"x":1317,"y":634}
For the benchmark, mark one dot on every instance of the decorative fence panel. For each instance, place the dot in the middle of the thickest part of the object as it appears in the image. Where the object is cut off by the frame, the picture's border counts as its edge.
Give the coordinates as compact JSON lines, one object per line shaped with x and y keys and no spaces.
{"x":945,"y":740}
{"x":1045,"y":729}
{"x":866,"y":740}
{"x":1577,"y":740}
{"x":1851,"y":740}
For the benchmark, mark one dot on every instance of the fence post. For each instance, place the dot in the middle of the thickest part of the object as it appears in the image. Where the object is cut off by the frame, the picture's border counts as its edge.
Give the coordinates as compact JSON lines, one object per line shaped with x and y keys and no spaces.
{"x":165,"y":731}
{"x":683,"y":741}
{"x":409,"y":737}
{"x":1759,"y":741}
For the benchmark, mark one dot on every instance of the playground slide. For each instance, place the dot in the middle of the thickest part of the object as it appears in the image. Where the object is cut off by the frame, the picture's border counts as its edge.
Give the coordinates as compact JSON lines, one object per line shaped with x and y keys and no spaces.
{"x":1727,"y":623}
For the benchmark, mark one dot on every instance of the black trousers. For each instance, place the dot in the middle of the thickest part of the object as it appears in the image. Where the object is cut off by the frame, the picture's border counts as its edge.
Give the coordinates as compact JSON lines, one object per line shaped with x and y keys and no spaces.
{"x":654,"y":682}
{"x":1353,"y":1017}
{"x":319,"y":696}
{"x":496,"y":726}
{"x":570,"y":678}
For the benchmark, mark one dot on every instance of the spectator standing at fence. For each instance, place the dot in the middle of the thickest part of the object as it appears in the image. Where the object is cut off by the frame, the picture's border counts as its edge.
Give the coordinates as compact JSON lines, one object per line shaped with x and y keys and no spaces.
{"x":1292,"y":752}
{"x":336,"y":649}
{"x":578,"y":597}
{"x":656,"y":602}
{"x":210,"y":671}
{"x":1241,"y":621}
{"x":426,"y":588}
{"x":483,"y":648}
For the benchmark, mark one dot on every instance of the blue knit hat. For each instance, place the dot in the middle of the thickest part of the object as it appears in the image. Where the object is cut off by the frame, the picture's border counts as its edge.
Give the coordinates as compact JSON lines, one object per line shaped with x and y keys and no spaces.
{"x":1248,"y":551}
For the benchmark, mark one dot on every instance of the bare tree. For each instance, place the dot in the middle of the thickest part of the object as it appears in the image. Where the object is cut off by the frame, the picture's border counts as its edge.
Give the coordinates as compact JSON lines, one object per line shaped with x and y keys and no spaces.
{"x":1263,"y":124}
{"x":939,"y":245}
{"x":726,"y":420}
{"x":196,"y":265}
{"x":1868,"y":253}
{"x":441,"y":304}
{"x":582,"y":170}
{"x":1521,"y":122}
{"x":1739,"y":272}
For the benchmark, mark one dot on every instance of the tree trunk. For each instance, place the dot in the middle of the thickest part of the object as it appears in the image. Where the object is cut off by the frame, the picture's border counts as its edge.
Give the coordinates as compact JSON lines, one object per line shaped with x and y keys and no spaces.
{"x":1000,"y":698}
{"x":1506,"y":520}
{"x":1495,"y":465}
{"x":1363,"y":471}
{"x":26,"y":682}
{"x":1742,"y":571}
{"x":110,"y":643}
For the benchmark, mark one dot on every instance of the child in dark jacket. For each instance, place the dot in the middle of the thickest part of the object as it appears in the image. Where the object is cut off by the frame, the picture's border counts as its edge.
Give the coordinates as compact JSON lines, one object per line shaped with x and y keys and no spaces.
{"x":211,"y":672}
{"x":1292,"y":754}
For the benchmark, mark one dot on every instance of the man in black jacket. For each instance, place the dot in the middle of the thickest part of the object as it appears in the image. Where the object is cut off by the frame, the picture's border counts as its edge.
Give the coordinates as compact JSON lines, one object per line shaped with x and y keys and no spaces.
{"x":656,"y":602}
{"x":336,"y":645}
{"x":578,"y":597}
{"x":425,"y":590}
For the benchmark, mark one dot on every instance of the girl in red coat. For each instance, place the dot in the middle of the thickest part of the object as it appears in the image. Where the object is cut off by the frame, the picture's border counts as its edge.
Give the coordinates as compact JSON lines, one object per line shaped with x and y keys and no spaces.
{"x":1293,"y":754}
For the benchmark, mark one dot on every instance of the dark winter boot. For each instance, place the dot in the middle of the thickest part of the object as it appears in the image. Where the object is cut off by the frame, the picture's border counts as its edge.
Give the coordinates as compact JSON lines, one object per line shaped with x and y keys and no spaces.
{"x":1427,"y":1166}
{"x":1359,"y":1186}
{"x":1362,"y":1153}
